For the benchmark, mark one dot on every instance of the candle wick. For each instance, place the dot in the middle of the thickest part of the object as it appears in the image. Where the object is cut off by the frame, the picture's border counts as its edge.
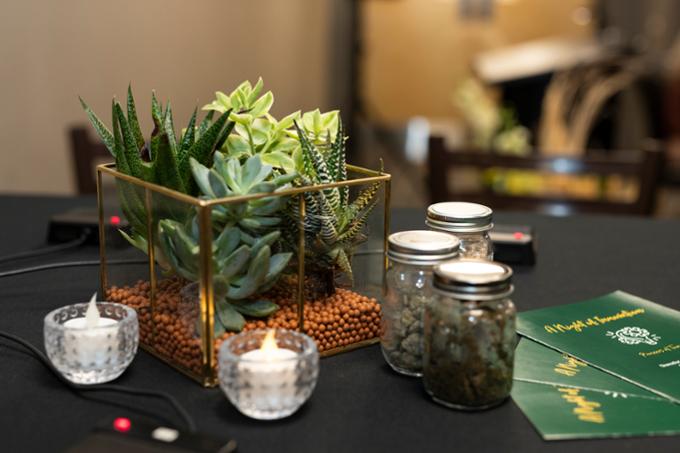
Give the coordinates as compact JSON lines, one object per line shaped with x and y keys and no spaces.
{"x":92,"y":313}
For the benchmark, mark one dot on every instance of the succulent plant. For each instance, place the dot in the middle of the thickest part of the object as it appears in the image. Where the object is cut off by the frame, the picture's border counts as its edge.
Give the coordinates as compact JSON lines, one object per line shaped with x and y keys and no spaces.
{"x":230,"y":178}
{"x":240,"y":271}
{"x":258,"y":132}
{"x":333,"y":225}
{"x":164,"y":160}
{"x":321,"y":128}
{"x":242,"y":258}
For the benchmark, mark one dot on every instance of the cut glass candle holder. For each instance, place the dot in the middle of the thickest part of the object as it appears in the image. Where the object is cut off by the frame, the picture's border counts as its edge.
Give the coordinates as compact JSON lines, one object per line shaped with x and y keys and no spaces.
{"x":265,"y":384}
{"x":91,"y":355}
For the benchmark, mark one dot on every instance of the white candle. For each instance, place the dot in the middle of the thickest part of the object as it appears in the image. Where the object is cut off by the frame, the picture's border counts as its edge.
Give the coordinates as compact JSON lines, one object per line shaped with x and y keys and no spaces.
{"x":270,"y":373}
{"x":91,"y":339}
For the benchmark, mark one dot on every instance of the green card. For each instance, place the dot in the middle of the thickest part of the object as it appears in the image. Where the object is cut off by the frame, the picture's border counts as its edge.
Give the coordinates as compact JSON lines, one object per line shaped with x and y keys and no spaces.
{"x":629,"y":337}
{"x":538,"y":364}
{"x":572,"y":413}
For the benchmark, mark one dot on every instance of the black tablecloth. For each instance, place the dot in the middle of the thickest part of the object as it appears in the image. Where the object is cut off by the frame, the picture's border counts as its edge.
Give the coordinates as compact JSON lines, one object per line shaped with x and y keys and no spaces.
{"x":359,"y":404}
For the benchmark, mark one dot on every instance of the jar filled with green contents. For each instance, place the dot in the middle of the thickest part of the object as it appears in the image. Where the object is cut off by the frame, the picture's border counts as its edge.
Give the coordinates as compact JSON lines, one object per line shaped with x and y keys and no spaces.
{"x":469,"y":222}
{"x":412,"y":256}
{"x":469,"y":335}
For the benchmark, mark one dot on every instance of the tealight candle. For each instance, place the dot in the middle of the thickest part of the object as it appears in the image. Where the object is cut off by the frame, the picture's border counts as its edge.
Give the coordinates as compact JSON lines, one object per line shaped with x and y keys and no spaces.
{"x":91,"y":343}
{"x":91,"y":338}
{"x":272,"y":381}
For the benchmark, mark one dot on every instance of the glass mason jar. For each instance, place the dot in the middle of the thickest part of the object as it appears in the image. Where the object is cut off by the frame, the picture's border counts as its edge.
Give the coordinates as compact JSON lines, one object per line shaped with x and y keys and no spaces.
{"x":412,"y":256}
{"x":469,"y":335}
{"x":470,"y":222}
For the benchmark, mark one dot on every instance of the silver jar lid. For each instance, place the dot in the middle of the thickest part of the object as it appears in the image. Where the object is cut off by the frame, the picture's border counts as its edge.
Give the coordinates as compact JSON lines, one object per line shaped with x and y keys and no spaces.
{"x":422,"y":247}
{"x":460,"y":217}
{"x":473,"y":279}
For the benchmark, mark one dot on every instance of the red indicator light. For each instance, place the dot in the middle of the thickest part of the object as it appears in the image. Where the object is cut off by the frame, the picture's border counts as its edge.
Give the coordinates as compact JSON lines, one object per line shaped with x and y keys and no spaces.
{"x":114,"y":220}
{"x":518,"y":235}
{"x":122,"y":424}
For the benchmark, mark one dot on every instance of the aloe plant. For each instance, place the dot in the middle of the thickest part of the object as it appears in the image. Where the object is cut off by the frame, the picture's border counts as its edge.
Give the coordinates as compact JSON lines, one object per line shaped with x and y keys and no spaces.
{"x":163,"y":160}
{"x":333,"y":225}
{"x":244,"y":236}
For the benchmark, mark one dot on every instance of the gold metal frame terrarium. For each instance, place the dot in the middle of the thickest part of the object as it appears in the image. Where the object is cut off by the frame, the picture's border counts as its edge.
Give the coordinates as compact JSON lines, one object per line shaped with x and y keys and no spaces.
{"x":144,"y":281}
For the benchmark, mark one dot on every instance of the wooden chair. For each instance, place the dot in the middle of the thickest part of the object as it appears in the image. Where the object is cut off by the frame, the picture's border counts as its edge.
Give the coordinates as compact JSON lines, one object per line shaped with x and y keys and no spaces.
{"x":643,"y":166}
{"x":86,"y":153}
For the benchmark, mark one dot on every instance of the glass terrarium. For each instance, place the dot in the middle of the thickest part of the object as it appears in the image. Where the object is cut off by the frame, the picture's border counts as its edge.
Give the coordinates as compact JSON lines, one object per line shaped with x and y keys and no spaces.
{"x":196,"y":276}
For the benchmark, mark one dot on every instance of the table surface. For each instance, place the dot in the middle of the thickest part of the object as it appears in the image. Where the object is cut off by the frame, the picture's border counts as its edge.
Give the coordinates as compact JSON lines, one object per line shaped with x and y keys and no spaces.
{"x":359,"y":404}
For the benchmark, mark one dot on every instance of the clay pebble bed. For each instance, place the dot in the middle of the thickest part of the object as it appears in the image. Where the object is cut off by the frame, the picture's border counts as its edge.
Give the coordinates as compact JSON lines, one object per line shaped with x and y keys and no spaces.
{"x":339,"y":320}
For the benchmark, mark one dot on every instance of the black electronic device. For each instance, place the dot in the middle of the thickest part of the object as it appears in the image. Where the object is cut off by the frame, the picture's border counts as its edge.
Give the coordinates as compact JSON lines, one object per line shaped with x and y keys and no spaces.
{"x":138,"y":436}
{"x":71,"y":225}
{"x":514,"y":244}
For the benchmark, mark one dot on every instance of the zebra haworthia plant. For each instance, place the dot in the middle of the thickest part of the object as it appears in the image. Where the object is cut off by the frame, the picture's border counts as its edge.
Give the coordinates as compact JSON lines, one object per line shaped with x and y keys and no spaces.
{"x":244,"y":264}
{"x":333,"y":225}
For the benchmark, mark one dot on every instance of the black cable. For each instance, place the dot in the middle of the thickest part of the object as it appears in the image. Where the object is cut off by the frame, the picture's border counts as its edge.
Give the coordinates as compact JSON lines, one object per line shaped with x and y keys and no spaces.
{"x":43,"y":267}
{"x":186,"y":418}
{"x":45,"y":250}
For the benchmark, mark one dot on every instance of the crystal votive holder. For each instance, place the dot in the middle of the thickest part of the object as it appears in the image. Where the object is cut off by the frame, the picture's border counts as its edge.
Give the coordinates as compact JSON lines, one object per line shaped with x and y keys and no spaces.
{"x":268,"y":384}
{"x":91,"y":354}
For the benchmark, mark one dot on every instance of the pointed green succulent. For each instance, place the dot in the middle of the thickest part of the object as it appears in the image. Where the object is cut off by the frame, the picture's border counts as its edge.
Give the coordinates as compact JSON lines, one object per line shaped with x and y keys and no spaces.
{"x":333,"y":225}
{"x":164,"y":160}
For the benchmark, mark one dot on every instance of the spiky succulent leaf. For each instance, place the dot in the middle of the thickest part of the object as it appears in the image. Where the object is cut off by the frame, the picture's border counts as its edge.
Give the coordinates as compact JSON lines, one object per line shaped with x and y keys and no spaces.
{"x":205,"y":124}
{"x":312,"y":157}
{"x":99,"y":127}
{"x":166,"y":170}
{"x":202,"y":150}
{"x":356,"y":225}
{"x":224,"y":135}
{"x":132,"y":119}
{"x":189,"y":135}
{"x":130,"y":148}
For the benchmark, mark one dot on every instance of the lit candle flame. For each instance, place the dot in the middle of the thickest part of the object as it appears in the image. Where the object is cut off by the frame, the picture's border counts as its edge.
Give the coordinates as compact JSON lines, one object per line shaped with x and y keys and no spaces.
{"x":92,"y":313}
{"x":269,"y":342}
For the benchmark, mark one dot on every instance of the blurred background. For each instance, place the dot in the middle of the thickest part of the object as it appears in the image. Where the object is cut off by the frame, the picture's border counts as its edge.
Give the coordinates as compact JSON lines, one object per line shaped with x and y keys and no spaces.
{"x":559,"y":106}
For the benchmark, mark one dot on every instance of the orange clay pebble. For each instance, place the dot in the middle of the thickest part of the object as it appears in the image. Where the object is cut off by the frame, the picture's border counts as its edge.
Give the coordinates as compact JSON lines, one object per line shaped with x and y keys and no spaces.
{"x":169,"y":327}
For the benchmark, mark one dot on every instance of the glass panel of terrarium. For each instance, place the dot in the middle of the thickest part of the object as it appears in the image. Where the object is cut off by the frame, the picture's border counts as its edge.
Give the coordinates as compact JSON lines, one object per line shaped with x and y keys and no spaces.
{"x":124,"y":263}
{"x":254,"y":265}
{"x":175,"y":319}
{"x":337,"y":258}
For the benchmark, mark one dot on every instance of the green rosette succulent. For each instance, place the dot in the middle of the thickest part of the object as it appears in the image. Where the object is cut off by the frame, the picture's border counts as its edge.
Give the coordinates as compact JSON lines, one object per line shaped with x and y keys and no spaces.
{"x":244,"y":238}
{"x":258,"y":132}
{"x":240,"y":270}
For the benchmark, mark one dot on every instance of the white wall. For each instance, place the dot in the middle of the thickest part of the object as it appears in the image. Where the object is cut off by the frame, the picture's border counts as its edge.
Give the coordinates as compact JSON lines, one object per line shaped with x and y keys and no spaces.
{"x":53,"y":51}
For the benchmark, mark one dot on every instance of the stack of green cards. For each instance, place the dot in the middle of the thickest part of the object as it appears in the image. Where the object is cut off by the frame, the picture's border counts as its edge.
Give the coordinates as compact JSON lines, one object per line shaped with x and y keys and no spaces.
{"x":611,"y":368}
